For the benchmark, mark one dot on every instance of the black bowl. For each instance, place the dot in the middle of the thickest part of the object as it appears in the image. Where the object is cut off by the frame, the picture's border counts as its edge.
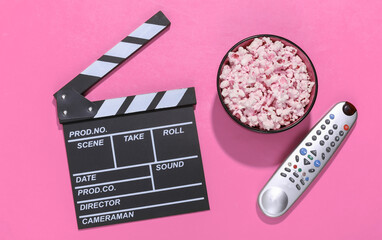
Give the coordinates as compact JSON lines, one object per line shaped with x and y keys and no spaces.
{"x":311,"y":72}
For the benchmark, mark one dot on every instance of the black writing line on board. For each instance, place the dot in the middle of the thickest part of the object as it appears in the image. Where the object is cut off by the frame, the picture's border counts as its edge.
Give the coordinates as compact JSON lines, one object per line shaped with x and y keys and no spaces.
{"x":128,"y":132}
{"x":112,"y":182}
{"x":136,"y":165}
{"x":144,"y":207}
{"x":140,"y":193}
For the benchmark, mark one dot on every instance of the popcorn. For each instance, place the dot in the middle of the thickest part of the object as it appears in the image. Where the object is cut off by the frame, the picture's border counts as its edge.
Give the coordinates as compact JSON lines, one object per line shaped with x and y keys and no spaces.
{"x":266,"y":85}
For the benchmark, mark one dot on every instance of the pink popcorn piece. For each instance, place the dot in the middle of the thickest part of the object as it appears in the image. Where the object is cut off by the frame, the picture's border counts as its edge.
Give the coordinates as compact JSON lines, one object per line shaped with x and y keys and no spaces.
{"x":267,"y":83}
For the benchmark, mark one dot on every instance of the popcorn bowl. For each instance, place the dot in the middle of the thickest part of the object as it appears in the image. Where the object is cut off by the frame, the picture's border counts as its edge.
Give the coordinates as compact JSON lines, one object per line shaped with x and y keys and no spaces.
{"x":310,"y":71}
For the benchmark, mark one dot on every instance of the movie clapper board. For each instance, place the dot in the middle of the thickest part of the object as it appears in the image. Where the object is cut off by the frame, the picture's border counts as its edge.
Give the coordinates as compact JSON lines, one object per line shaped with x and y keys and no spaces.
{"x":131,"y":158}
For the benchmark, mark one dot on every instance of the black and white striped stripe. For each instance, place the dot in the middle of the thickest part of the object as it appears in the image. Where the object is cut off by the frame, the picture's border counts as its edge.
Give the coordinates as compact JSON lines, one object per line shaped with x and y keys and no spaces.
{"x":146,"y":102}
{"x":119,"y":53}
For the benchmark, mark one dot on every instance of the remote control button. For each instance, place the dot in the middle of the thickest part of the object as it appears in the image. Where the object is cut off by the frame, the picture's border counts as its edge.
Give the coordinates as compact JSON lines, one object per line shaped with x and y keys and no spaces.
{"x":317,"y":163}
{"x":299,"y":170}
{"x":323,"y":156}
{"x":287,"y":169}
{"x":322,"y":143}
{"x":326,"y":137}
{"x":302,"y":181}
{"x":327,"y":121}
{"x":349,"y":109}
{"x":297,"y":158}
{"x":283,"y":174}
{"x":314,"y":152}
{"x":331,"y":116}
{"x":298,"y":187}
{"x":341,"y":133}
{"x":335,"y":126}
{"x":332,"y":144}
{"x":323,"y":127}
{"x":346,"y":127}
{"x":289,"y":164}
{"x":318,"y":132}
{"x":303,"y":151}
{"x":312,"y":170}
{"x":308,"y":144}
{"x":303,"y":174}
{"x":296,"y":174}
{"x":307,"y":179}
{"x":274,"y":200}
{"x":310,"y":157}
{"x":337,"y":138}
{"x":331,"y":132}
{"x":294,"y":166}
{"x":328,"y":149}
{"x":306,"y":162}
{"x":314,"y":137}
{"x":291,"y":179}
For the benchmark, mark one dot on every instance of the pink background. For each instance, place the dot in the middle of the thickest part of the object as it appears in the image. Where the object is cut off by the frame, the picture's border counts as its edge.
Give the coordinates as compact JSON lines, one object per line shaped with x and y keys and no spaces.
{"x":44,"y":44}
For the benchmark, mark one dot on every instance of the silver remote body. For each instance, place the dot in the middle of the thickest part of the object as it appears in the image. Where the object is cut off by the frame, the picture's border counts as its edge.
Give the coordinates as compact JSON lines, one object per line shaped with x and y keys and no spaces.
{"x":304,"y":164}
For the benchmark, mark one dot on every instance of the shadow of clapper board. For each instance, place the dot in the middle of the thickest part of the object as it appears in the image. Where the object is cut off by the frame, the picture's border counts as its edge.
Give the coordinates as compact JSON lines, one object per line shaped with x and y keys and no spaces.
{"x":131,"y":158}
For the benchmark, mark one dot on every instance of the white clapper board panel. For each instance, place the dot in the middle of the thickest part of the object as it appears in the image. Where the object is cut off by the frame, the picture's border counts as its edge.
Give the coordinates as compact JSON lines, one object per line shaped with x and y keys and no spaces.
{"x":131,"y":158}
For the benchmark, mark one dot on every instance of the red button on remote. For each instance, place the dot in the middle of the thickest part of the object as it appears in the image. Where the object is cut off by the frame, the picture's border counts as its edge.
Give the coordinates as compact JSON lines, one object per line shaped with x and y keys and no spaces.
{"x":295,"y":166}
{"x":346,"y":127}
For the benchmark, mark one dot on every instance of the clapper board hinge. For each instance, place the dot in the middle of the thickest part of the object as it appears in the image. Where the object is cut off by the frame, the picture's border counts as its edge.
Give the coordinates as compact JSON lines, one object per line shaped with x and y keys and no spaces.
{"x":71,"y":104}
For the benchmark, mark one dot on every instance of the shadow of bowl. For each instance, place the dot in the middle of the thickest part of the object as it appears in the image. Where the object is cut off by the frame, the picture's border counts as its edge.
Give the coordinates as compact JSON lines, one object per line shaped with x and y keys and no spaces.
{"x":252,"y":148}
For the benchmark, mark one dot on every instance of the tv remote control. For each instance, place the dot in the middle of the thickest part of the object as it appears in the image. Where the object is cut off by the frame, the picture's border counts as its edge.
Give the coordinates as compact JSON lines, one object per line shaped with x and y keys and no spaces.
{"x":303,"y":165}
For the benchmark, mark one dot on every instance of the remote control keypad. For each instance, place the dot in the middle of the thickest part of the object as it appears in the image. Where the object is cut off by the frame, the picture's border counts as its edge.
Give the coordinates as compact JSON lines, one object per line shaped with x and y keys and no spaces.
{"x":324,"y":135}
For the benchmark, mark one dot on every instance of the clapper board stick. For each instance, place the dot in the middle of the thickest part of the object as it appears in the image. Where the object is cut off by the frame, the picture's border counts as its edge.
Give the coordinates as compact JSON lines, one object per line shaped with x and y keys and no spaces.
{"x":72,"y":106}
{"x":131,"y":158}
